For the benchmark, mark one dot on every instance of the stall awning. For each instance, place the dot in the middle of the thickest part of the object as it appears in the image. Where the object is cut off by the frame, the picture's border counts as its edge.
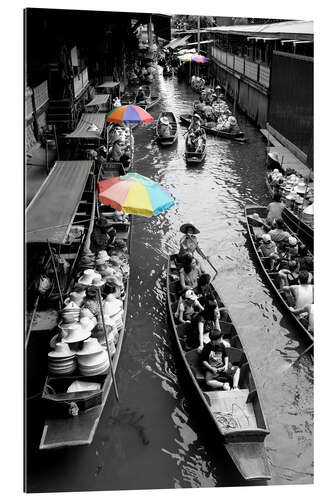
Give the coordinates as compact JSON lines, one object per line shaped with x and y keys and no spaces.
{"x":90,"y":126}
{"x":177,"y":42}
{"x":51,"y":211}
{"x":108,"y":85}
{"x":99,"y":100}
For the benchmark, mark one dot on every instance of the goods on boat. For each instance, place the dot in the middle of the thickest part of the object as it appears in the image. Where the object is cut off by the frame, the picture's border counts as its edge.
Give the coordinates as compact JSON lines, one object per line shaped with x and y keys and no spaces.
{"x":238,"y":136}
{"x":236,"y":415}
{"x":255,"y":231}
{"x":74,"y":397}
{"x":292,"y":194}
{"x":168,"y":119}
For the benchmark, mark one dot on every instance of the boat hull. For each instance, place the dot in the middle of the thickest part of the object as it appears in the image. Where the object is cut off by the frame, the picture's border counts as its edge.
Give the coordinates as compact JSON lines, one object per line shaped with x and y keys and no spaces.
{"x":239,"y":136}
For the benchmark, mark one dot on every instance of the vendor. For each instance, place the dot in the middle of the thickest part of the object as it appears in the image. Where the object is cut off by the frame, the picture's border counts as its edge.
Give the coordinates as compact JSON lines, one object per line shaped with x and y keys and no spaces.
{"x":141,"y":96}
{"x":164,"y":127}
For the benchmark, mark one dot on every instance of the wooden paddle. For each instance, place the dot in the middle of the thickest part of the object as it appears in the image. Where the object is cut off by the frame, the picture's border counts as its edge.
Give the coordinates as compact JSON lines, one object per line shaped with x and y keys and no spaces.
{"x":200,"y":252}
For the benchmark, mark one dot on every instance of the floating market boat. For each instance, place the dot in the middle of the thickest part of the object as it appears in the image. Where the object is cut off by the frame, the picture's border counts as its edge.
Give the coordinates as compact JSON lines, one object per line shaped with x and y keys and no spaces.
{"x":167,"y":141}
{"x":236,"y":415}
{"x":255,"y":232}
{"x":298,"y":221}
{"x":238,"y":136}
{"x":195,"y":158}
{"x":73,"y":417}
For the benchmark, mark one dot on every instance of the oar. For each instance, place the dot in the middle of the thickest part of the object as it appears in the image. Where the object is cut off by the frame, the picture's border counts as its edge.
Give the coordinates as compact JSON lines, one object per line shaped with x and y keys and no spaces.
{"x":301,"y":355}
{"x":200,"y":252}
{"x":31,"y":321}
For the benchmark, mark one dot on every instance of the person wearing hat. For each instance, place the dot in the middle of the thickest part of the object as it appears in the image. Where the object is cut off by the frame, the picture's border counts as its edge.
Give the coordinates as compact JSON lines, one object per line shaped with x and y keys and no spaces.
{"x":189,"y":242}
{"x":103,"y":235}
{"x":195,"y":126}
{"x":273,"y":162}
{"x":220,"y":373}
{"x":114,"y":285}
{"x":188,"y":307}
{"x":291,"y":251}
{"x":231,"y":125}
{"x":275,"y":209}
{"x":268,"y":251}
{"x":91,"y":302}
{"x":141,"y":96}
{"x":164,"y":126}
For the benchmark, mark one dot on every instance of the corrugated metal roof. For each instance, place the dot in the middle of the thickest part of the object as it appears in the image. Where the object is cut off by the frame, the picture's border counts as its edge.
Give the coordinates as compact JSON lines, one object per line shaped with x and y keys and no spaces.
{"x":87,"y":121}
{"x":284,"y":28}
{"x":98,"y":100}
{"x":51,"y":211}
{"x":108,"y":85}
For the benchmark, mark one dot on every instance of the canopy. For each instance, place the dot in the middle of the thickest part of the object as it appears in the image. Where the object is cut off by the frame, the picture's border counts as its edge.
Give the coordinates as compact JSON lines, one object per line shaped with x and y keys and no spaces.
{"x":51,"y":211}
{"x":128,"y":113}
{"x":90,"y":126}
{"x":108,"y":85}
{"x":98,"y":100}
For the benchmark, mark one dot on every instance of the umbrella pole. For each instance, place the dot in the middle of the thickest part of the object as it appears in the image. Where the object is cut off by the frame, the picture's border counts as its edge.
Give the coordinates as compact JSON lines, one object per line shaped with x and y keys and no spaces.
{"x":107,"y":345}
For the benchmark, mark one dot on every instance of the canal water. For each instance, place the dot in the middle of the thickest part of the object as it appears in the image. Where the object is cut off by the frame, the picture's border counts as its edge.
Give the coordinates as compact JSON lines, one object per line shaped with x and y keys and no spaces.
{"x":154,"y":437}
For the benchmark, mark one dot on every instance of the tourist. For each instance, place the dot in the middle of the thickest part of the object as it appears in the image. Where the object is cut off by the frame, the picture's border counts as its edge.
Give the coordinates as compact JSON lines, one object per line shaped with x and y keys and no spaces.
{"x":189,"y":273}
{"x":275,"y":209}
{"x":268,"y":251}
{"x":302,"y":293}
{"x":188,"y":307}
{"x":208,"y":319}
{"x":220,"y":374}
{"x":278,"y":233}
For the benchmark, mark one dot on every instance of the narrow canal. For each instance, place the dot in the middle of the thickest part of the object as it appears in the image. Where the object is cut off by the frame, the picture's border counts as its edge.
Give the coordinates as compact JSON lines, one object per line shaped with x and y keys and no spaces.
{"x":153,"y":437}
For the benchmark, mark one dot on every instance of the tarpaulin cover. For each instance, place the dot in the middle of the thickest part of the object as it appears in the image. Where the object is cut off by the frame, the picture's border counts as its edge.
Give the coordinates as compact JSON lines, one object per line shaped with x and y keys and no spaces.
{"x":50,"y":213}
{"x":85,"y":128}
{"x":98,"y":100}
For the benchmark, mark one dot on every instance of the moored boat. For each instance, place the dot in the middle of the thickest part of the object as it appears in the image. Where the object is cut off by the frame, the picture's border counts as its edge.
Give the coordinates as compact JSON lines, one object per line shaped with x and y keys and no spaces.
{"x":194,"y":158}
{"x":236,"y":415}
{"x":167,"y":141}
{"x":296,"y":220}
{"x":73,"y":417}
{"x":254,"y":233}
{"x":237,"y":136}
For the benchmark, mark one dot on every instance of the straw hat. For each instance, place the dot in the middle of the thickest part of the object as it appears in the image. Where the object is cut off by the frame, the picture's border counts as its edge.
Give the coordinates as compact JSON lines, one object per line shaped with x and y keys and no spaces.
{"x":189,"y":294}
{"x":274,"y":156}
{"x":87,"y":277}
{"x":232,"y":120}
{"x":197,"y":116}
{"x":76,"y":333}
{"x":184,"y":227}
{"x":61,"y":350}
{"x":266,"y":238}
{"x":309,"y":210}
{"x":102,"y":254}
{"x":90,"y":346}
{"x":292,"y":241}
{"x":164,"y":120}
{"x":100,"y":261}
{"x":98,"y":282}
{"x":301,"y":187}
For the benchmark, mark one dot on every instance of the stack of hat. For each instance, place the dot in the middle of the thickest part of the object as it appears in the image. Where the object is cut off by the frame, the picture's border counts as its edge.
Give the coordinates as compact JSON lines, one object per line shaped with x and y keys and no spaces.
{"x":113,"y":311}
{"x":61,"y":361}
{"x":308,"y":214}
{"x":70,"y":313}
{"x":88,"y":277}
{"x":75,"y":333}
{"x":301,"y":188}
{"x":92,"y":358}
{"x":103,"y":255}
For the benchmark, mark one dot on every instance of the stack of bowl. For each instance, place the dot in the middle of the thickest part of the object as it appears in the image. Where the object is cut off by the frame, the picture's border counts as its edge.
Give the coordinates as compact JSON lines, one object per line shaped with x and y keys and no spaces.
{"x":92,"y":358}
{"x":70,"y":313}
{"x":61,"y":361}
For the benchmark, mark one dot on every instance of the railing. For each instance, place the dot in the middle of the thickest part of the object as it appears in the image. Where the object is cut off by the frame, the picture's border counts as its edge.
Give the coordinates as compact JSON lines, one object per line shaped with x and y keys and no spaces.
{"x":254,"y":71}
{"x":41,"y":95}
{"x":80,"y":82}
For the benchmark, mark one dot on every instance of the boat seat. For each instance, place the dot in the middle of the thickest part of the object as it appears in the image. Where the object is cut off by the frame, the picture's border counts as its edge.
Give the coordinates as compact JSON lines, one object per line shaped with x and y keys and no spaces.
{"x":193,"y":359}
{"x":258,"y":232}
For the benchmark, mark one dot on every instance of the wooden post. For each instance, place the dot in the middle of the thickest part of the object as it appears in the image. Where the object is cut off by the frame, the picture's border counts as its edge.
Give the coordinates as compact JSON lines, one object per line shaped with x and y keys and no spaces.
{"x":107,"y":345}
{"x":56,"y":273}
{"x":198,"y":49}
{"x":56,"y":140}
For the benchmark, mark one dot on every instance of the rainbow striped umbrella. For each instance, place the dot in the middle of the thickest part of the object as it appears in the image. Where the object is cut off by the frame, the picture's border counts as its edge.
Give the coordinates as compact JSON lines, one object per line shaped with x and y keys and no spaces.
{"x":199,"y":58}
{"x":128,"y":114}
{"x":134,"y":194}
{"x":186,"y":57}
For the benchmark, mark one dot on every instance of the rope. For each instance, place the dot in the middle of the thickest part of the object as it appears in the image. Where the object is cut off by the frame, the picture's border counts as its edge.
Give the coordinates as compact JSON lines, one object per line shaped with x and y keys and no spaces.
{"x":227,"y":419}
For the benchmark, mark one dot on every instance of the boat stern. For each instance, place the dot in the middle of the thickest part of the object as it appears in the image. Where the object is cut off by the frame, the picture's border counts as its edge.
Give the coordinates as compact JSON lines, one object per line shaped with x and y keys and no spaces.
{"x":250,"y":459}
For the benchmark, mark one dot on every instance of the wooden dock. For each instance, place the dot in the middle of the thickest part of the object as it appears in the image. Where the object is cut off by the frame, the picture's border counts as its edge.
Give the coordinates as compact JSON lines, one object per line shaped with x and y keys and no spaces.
{"x":286,"y":158}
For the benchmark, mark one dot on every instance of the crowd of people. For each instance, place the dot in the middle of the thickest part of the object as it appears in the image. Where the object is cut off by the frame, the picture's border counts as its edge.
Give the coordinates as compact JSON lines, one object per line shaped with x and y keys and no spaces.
{"x":198,"y":306}
{"x":287,"y":260}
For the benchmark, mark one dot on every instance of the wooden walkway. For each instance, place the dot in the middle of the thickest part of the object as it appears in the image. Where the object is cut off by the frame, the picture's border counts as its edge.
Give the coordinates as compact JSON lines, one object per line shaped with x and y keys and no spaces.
{"x":287,"y":159}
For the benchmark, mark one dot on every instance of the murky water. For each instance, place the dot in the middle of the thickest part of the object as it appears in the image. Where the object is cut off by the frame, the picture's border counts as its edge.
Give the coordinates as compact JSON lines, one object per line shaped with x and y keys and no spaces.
{"x":153,"y":438}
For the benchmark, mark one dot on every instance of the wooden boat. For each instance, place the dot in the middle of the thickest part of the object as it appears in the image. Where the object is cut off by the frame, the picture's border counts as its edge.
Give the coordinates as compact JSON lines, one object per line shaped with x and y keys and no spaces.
{"x":57,"y":221}
{"x":303,"y":229}
{"x":238,"y":137}
{"x":167,"y":141}
{"x":193,"y":158}
{"x":62,"y":429}
{"x":254,"y":232}
{"x":237,"y":416}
